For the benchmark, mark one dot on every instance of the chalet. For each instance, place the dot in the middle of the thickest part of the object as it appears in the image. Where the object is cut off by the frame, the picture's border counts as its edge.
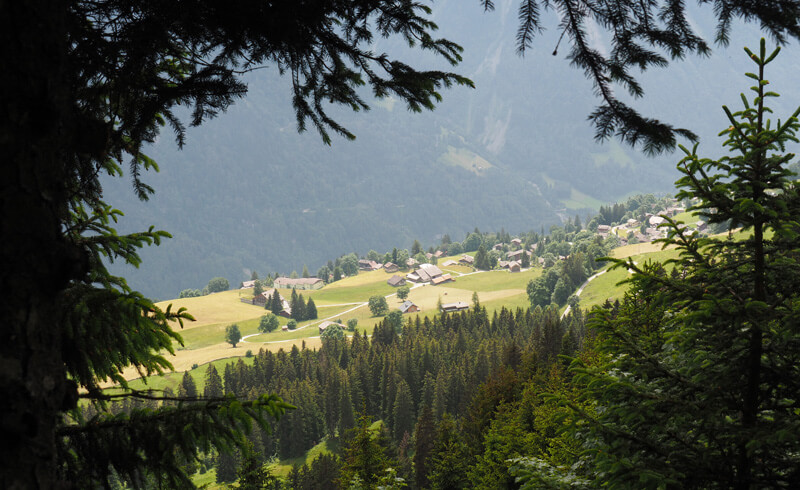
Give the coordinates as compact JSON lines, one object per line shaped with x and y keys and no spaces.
{"x":632,"y":222}
{"x":516,"y":242}
{"x":438,"y":254}
{"x":390,"y":267}
{"x":442,"y":279}
{"x":326,"y":324}
{"x":425,"y":273}
{"x":368,"y":265}
{"x":701,"y":225}
{"x":285,"y":328}
{"x":411,"y":262}
{"x":449,"y":263}
{"x":467,"y":260}
{"x":431,"y":269}
{"x":396,"y":281}
{"x":656,"y":220}
{"x":265,"y":296}
{"x":248,"y":285}
{"x":457,"y":306}
{"x":298,"y":283}
{"x":603,"y":229}
{"x":514,"y":266}
{"x":516,"y":255}
{"x":409,"y":307}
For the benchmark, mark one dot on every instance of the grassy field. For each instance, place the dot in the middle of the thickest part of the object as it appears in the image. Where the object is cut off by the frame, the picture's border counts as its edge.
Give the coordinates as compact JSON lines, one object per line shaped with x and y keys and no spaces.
{"x":607,"y":285}
{"x":203,"y":339}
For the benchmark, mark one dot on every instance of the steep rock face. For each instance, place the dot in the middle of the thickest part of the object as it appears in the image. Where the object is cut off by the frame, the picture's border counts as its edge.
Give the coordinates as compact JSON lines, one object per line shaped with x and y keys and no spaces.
{"x":248,"y":192}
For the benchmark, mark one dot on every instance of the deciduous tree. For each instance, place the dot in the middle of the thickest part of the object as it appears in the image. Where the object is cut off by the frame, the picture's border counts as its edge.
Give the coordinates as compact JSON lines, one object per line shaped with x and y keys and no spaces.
{"x":378,"y":305}
{"x":232,"y":334}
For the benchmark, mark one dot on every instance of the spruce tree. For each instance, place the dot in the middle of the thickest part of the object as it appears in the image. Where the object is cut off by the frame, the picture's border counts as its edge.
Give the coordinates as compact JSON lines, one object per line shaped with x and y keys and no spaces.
{"x":702,"y":370}
{"x":311,"y":310}
{"x":481,"y":258}
{"x":213,"y":385}
{"x":187,"y":388}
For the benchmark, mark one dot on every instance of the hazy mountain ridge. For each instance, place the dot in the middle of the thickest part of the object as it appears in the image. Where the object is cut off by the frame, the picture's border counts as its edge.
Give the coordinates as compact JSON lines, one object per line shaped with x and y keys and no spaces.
{"x":249,"y":192}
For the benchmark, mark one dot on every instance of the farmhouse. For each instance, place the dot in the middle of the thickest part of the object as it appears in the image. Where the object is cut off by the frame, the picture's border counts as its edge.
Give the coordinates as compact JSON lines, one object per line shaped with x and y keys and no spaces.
{"x":326,"y":324}
{"x":450,"y":263}
{"x":517,"y":255}
{"x":368,"y":265}
{"x":467,"y":260}
{"x":396,"y":281}
{"x":409,"y":307}
{"x":425,"y":273}
{"x":390,"y":267}
{"x":457,"y":306}
{"x":299,"y":283}
{"x":262,"y":298}
{"x":442,"y":279}
{"x":248,"y":285}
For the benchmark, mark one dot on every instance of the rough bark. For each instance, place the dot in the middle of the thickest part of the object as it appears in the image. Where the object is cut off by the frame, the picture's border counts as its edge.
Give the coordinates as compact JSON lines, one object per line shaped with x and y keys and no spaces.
{"x":35,"y":262}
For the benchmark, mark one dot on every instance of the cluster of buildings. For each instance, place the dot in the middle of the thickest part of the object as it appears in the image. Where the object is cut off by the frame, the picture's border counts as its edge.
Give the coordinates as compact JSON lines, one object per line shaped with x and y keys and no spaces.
{"x":652,"y":229}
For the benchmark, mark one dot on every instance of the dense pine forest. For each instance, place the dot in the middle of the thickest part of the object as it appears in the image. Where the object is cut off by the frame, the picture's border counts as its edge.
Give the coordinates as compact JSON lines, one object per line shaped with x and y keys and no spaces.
{"x":457,"y":397}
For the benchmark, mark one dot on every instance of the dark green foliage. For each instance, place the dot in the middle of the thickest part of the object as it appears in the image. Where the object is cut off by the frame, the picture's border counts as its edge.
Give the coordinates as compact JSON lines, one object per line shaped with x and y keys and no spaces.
{"x":366,"y":454}
{"x":322,"y":472}
{"x":424,"y":439}
{"x":441,"y":363}
{"x":482,"y":259}
{"x":275,"y":305}
{"x":218,"y":284}
{"x":84,"y":96}
{"x":416,"y":248}
{"x":213,"y":386}
{"x":226,"y":468}
{"x":298,"y":306}
{"x":642,"y":34}
{"x":268,"y":323}
{"x":232,"y":334}
{"x":311,"y":310}
{"x":333,"y":331}
{"x":699,"y":382}
{"x":252,"y":474}
{"x":395,"y":319}
{"x":187,"y":388}
{"x":450,"y":459}
{"x":378,"y":305}
{"x":402,"y":292}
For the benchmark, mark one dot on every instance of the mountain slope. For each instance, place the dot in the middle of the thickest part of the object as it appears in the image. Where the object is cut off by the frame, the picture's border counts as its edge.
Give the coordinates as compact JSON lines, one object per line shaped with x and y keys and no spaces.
{"x":248,"y":192}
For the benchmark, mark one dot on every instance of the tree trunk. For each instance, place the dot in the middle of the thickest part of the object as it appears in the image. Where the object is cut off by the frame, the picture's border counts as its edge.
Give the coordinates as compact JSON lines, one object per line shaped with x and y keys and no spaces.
{"x":36,"y":263}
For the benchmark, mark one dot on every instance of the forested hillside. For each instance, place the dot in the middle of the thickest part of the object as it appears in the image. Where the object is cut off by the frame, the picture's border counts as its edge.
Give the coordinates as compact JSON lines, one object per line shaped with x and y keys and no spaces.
{"x":248,"y":192}
{"x":444,"y":389}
